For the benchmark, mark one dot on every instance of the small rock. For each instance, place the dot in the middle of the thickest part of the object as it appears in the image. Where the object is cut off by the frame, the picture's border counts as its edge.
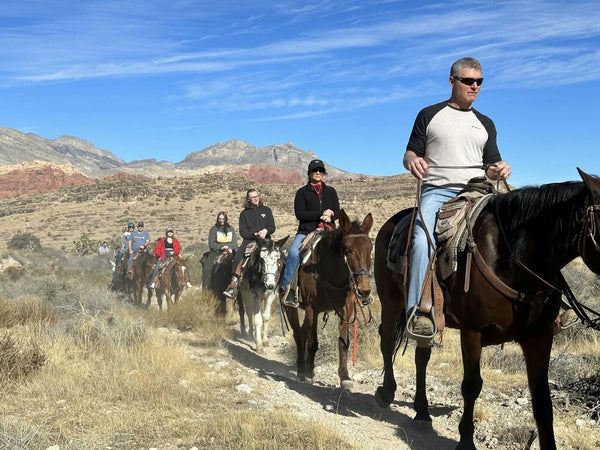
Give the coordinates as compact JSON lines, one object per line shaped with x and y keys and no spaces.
{"x":244,"y":388}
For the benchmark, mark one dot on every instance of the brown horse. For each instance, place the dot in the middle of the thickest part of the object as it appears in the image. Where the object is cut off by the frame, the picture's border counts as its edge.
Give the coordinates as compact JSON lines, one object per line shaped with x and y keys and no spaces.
{"x":337,"y":272}
{"x":142,"y":265}
{"x":173,"y":278}
{"x":525,"y":237}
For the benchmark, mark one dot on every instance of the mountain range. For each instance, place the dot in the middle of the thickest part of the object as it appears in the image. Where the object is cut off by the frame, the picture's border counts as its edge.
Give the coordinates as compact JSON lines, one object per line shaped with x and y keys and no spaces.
{"x":17,"y":147}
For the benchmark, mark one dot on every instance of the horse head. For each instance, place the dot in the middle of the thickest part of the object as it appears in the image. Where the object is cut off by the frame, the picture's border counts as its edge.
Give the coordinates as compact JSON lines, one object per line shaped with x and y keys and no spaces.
{"x":357,"y":248}
{"x":181,"y":271}
{"x":269,"y":255}
{"x":589,"y":246}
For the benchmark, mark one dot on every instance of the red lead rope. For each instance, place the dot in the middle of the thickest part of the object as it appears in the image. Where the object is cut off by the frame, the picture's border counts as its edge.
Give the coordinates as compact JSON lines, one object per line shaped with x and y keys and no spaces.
{"x":354,"y":343}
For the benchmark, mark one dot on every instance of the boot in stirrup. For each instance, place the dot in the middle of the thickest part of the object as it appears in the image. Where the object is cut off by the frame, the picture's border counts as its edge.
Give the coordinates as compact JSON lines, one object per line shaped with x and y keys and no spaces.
{"x":232,"y":289}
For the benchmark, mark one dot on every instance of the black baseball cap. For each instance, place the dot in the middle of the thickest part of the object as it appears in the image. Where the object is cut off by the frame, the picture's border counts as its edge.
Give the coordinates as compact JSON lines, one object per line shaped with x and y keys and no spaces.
{"x":316,"y":164}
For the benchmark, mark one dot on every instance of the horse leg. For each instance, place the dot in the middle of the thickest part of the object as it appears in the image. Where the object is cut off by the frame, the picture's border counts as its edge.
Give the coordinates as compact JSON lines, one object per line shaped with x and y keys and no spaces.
{"x":159,"y":299}
{"x":266,"y":315}
{"x":299,"y":339}
{"x":471,"y":385}
{"x":258,"y":321}
{"x":149,"y":300}
{"x":343,"y":344}
{"x":242,"y":314}
{"x":421,"y":405}
{"x":391,"y":330}
{"x":537,"y":359}
{"x":312,"y":345}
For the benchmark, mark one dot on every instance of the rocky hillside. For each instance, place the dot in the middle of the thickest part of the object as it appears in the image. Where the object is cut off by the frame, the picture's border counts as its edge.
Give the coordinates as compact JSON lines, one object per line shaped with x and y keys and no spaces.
{"x":237,"y":156}
{"x":102,"y":208}
{"x":17,"y":147}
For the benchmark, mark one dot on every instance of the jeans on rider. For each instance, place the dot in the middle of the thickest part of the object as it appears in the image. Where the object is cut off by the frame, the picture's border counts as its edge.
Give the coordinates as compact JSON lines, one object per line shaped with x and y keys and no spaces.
{"x":157,"y":267}
{"x":292,"y":260}
{"x":432,"y":198}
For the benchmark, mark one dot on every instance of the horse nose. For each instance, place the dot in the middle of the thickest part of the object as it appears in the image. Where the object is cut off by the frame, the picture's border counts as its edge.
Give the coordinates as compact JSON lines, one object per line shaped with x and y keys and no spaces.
{"x":363,"y":287}
{"x":364,"y":293}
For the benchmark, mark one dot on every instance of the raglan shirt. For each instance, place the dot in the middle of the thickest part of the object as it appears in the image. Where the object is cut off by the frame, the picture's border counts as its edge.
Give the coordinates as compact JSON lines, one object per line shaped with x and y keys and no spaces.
{"x":447,"y":136}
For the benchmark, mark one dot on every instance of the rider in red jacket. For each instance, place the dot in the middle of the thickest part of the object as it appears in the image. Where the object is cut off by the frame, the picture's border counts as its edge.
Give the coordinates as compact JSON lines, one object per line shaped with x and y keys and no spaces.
{"x":165,"y":247}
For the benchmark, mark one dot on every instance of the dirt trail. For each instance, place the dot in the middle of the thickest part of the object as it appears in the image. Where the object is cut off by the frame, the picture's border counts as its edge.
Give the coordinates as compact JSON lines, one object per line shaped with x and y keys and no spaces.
{"x":273,"y":383}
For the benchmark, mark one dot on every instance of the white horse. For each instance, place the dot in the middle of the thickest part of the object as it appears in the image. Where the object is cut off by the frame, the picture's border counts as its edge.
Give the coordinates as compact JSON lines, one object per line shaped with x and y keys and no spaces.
{"x":258,"y":286}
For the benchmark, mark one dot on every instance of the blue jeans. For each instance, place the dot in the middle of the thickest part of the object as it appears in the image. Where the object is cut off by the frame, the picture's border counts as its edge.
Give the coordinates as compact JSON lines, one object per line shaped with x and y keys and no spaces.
{"x":432,"y":198}
{"x":293,"y":258}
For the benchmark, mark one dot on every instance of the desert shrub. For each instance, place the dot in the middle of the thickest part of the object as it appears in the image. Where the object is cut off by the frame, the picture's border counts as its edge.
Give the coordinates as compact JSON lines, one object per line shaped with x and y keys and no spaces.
{"x":194,"y":312}
{"x":24,"y":309}
{"x":107,"y":331}
{"x":85,"y":245}
{"x":18,"y":360}
{"x":25,"y":241}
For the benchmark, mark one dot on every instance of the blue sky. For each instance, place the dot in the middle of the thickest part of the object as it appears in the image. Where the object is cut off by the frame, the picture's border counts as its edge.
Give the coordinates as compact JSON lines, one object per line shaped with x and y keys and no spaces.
{"x":345,"y":79}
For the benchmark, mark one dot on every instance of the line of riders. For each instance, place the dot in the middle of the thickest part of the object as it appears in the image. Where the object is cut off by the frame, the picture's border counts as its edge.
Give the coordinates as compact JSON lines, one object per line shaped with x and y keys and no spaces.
{"x":134,"y":241}
{"x":316,"y":207}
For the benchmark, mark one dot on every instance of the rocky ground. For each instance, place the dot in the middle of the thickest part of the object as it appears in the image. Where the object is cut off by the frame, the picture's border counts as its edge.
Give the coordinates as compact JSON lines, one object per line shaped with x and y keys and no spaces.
{"x":270,"y":383}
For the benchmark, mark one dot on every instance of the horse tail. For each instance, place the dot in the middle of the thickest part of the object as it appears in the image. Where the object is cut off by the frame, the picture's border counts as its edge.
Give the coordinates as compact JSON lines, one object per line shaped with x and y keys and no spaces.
{"x":399,"y":335}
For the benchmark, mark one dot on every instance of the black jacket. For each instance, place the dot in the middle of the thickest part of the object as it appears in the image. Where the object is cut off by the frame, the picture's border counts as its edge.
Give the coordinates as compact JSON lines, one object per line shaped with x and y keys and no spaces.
{"x":308,"y":208}
{"x":255,"y":219}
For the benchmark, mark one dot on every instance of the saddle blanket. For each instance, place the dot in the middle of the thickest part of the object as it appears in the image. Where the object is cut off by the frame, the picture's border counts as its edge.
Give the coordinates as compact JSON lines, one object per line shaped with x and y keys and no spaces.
{"x":450,"y":232}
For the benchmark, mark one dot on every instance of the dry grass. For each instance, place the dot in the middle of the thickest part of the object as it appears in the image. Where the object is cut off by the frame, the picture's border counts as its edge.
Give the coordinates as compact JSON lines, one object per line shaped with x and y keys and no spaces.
{"x":98,"y":372}
{"x":80,"y":368}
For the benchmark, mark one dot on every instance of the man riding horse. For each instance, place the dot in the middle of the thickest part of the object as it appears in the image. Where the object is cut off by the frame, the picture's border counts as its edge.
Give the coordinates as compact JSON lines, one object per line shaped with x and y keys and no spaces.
{"x":256,"y":223}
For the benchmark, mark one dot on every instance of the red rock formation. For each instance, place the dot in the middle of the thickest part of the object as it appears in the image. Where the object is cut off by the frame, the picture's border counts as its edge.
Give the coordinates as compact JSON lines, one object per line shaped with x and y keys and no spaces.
{"x":37,"y":178}
{"x":270,"y":174}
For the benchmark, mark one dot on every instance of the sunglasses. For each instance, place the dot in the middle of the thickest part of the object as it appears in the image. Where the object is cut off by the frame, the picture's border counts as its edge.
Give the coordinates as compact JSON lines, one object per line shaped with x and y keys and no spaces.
{"x":318,"y":169}
{"x":469,"y":81}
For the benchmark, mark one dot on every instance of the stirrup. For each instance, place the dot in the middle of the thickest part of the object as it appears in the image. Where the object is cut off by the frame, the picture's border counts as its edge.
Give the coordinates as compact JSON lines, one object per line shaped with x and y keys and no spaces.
{"x":288,"y":300}
{"x":423,"y":340}
{"x":230,"y":293}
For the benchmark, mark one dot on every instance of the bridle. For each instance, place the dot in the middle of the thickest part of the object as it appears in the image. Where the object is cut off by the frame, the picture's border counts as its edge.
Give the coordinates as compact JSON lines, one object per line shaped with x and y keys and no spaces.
{"x":589,"y":229}
{"x":353,"y":275}
{"x":275,"y":274}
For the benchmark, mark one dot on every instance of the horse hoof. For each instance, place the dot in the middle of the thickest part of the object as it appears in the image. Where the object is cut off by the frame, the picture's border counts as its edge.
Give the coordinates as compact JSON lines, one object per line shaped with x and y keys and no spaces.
{"x":346,"y":385}
{"x":383,"y":397}
{"x":305,"y":379}
{"x":422,"y":418}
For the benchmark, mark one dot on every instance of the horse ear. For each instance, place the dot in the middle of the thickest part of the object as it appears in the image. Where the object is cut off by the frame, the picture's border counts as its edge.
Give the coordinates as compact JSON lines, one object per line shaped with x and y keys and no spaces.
{"x":592,"y":183}
{"x":344,"y":221}
{"x":281,"y":242}
{"x":367,"y":223}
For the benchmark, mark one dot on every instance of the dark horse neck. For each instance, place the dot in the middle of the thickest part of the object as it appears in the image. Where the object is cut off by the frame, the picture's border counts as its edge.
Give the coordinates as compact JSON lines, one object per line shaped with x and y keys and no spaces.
{"x":331,"y":264}
{"x":540,"y":227}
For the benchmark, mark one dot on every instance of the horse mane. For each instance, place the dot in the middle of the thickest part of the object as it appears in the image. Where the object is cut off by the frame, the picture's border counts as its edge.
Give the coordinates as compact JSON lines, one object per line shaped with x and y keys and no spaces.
{"x":555,"y":209}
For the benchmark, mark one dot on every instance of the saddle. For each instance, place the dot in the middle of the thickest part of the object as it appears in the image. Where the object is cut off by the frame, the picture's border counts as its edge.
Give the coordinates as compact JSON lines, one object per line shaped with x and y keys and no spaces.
{"x":308,"y":244}
{"x":451,"y":235}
